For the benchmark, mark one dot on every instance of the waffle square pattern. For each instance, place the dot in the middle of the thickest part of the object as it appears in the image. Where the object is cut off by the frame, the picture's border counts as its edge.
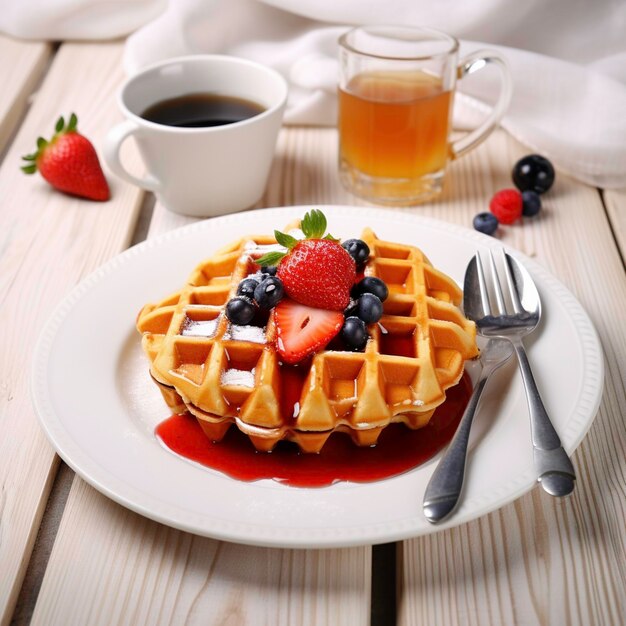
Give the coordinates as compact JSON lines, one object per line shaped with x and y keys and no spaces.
{"x":225,"y":374}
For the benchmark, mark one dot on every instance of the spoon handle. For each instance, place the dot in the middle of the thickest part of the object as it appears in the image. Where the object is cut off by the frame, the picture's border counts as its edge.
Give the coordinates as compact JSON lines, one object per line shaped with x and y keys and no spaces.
{"x":446,"y":483}
{"x":554,"y":468}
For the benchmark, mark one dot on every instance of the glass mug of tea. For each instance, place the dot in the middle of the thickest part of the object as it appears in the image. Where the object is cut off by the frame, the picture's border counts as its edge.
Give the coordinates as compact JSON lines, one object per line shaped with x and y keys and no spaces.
{"x":396,"y":94}
{"x":206,"y":128}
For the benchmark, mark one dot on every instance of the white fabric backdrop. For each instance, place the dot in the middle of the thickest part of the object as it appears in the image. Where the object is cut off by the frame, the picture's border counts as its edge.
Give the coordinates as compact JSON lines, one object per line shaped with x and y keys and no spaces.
{"x":568,"y":57}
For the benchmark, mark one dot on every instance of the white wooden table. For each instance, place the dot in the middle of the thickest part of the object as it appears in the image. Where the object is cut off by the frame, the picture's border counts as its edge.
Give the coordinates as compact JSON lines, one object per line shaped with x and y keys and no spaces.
{"x":68,"y":555}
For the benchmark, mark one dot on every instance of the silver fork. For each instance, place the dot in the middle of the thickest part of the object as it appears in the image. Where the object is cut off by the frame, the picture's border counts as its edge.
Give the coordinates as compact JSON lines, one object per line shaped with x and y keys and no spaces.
{"x":446,"y":484}
{"x":554,"y":469}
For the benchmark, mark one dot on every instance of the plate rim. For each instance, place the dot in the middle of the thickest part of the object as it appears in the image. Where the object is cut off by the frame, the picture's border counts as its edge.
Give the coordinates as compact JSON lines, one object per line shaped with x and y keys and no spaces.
{"x":246,"y":533}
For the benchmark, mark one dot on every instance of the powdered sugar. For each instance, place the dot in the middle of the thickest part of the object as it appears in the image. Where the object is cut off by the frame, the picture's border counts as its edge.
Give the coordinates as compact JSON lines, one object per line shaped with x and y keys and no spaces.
{"x":199,"y":328}
{"x":238,"y":378}
{"x":253,"y":334}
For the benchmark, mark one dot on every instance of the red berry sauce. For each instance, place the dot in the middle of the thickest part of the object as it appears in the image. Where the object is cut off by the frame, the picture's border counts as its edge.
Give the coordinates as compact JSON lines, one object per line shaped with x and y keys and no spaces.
{"x":399,"y":449}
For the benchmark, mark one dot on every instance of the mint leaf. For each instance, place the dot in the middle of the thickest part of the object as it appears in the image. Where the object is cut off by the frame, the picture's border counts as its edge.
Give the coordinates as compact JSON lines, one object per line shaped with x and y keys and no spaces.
{"x":271,"y":258}
{"x":314,"y":224}
{"x":285,"y":240}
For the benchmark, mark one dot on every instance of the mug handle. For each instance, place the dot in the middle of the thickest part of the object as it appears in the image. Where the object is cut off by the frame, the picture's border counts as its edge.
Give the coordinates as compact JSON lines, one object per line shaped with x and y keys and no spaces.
{"x":472,"y":63}
{"x":114,"y":140}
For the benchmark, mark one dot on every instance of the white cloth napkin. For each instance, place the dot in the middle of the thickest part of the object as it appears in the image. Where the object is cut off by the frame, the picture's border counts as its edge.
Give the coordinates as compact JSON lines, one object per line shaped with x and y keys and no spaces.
{"x":567,"y":57}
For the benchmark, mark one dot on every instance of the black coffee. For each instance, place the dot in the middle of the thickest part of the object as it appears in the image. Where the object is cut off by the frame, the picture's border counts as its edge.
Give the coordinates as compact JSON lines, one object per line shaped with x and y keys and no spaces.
{"x":199,"y":110}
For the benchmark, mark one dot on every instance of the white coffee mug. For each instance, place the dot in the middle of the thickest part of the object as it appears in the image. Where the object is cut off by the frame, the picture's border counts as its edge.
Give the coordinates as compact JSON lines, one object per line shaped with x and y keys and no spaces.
{"x":201,"y":171}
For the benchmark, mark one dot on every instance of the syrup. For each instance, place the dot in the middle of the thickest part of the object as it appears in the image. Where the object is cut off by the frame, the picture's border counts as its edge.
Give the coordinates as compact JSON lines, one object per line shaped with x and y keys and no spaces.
{"x":292,"y":380}
{"x":396,"y":344}
{"x":399,"y":449}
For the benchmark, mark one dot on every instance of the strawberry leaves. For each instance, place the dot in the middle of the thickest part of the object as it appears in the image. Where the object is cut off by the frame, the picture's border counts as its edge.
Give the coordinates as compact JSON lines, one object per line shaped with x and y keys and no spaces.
{"x":71,"y":125}
{"x":313,"y":225}
{"x":285,"y":240}
{"x":30,"y":167}
{"x":271,"y":258}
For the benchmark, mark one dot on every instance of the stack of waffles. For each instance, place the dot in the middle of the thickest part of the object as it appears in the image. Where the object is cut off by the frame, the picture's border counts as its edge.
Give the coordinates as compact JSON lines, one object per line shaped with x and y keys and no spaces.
{"x":225,"y":374}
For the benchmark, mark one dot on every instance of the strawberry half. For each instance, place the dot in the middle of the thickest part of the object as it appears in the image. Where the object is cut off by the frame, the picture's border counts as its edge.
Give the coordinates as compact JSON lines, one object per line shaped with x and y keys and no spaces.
{"x":303,"y":330}
{"x":69,"y":163}
{"x":315,"y":271}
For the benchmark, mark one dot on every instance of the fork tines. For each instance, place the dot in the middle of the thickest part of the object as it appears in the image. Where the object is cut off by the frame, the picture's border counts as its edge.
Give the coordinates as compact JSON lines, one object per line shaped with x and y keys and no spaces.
{"x":494,"y":285}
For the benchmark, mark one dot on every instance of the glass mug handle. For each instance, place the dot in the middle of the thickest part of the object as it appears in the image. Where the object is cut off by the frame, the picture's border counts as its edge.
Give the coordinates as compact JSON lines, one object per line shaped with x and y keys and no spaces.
{"x":472,"y":63}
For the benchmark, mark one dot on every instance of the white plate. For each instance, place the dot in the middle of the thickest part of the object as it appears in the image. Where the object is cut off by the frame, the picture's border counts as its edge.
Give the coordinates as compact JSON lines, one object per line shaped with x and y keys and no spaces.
{"x":99,"y":407}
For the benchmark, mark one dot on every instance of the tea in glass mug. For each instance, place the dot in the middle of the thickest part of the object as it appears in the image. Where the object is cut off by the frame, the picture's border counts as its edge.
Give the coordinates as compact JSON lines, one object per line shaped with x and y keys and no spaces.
{"x":396,"y":95}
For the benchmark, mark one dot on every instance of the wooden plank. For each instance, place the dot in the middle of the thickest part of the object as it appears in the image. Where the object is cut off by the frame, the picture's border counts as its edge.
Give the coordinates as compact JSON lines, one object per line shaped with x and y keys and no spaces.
{"x":22,"y":64}
{"x":539,"y":560}
{"x":615,"y":202}
{"x":48,"y":242}
{"x":111,"y":566}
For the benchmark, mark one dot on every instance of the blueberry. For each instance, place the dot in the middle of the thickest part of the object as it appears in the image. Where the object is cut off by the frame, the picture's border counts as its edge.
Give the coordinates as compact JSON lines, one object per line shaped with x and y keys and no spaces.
{"x":270,"y":270}
{"x":486,"y":223}
{"x":369,"y":308}
{"x":357,"y":249}
{"x":533,"y":173}
{"x":354,"y":333}
{"x":247,"y":286}
{"x":240,"y":310}
{"x":269,"y":292}
{"x":531,"y":203}
{"x":371,"y":284}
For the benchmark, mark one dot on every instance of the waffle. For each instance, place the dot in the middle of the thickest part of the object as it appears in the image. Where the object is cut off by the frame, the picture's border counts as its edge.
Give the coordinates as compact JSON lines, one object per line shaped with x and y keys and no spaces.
{"x":224,"y":374}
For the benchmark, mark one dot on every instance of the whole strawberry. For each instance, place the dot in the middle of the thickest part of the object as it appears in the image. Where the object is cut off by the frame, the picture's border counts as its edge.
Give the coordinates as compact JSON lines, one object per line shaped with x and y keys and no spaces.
{"x":315,"y":271}
{"x":69,"y":162}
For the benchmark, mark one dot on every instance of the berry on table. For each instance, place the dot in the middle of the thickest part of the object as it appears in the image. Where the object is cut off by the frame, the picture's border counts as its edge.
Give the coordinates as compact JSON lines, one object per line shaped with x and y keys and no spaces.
{"x":486,"y":223}
{"x":240,"y":310}
{"x":269,"y":292}
{"x":506,"y":205}
{"x":247,"y":286}
{"x":354,"y":333}
{"x":69,"y":162}
{"x":270,"y":270}
{"x":531,"y":203}
{"x":371,"y":284}
{"x":357,"y":249}
{"x":369,"y":308}
{"x":533,"y":173}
